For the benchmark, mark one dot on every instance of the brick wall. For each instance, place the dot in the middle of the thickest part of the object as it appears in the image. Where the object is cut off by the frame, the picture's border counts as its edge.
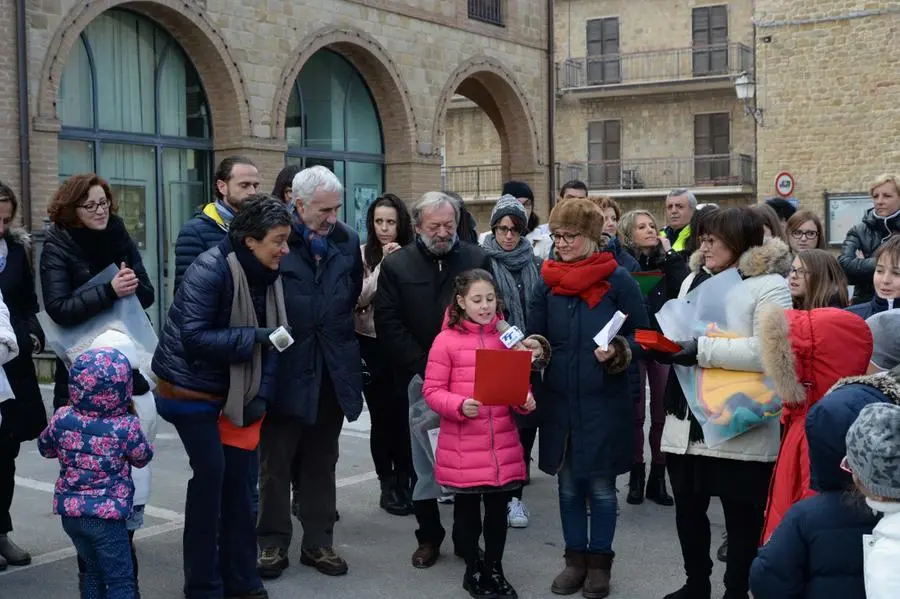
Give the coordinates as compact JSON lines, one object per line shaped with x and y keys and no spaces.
{"x":414,"y":54}
{"x":830,"y":94}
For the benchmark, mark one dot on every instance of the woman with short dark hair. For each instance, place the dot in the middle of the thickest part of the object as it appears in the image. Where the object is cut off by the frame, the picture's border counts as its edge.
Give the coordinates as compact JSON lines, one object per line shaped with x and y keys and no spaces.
{"x":87,"y":236}
{"x":217,"y":368}
{"x":738,"y":470}
{"x":23,"y":415}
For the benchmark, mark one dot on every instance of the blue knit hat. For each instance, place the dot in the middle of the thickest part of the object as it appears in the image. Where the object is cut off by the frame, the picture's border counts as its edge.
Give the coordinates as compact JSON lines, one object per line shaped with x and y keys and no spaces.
{"x":508,"y":205}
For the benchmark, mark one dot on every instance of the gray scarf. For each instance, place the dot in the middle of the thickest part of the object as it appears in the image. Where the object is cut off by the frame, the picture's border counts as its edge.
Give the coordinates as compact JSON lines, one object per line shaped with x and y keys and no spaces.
{"x":244,"y":378}
{"x":505,"y":265}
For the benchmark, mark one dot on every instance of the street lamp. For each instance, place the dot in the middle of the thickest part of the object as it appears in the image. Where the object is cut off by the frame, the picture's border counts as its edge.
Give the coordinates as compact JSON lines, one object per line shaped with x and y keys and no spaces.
{"x":745,"y":88}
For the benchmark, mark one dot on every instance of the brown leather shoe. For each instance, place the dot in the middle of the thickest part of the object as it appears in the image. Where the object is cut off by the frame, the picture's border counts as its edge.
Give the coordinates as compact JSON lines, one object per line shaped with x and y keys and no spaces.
{"x":426,"y":555}
{"x":572,"y":577}
{"x":599,"y":567}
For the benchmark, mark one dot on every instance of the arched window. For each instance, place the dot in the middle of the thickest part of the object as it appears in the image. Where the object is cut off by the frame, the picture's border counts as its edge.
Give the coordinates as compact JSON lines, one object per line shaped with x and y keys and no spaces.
{"x":133,"y":110}
{"x":332,"y":121}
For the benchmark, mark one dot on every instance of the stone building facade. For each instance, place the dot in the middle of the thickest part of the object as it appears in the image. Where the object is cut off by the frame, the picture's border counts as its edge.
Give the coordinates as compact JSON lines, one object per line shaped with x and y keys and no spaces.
{"x":829,"y":90}
{"x":152,"y":94}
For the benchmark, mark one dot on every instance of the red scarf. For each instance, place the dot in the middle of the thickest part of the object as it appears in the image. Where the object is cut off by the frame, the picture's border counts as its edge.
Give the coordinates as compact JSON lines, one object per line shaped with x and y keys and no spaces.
{"x":585,"y":278}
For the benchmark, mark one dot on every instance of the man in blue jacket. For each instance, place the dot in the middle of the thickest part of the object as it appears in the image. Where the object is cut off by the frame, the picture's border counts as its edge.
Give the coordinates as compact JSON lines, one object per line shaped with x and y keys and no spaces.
{"x":237,"y":178}
{"x":319,"y":379}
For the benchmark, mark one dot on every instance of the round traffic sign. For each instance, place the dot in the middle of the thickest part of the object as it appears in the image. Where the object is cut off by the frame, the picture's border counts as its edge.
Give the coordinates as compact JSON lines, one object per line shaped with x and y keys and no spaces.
{"x":784,"y":184}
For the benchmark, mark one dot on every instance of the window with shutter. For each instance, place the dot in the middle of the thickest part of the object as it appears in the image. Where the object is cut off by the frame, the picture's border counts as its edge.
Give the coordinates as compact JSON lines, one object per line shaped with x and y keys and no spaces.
{"x":712,"y":140}
{"x":602,"y":61}
{"x":710,"y":40}
{"x":605,"y":154}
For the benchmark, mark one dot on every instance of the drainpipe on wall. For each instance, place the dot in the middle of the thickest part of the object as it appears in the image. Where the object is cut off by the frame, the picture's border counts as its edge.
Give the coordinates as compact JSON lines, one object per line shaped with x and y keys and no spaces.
{"x":24,"y":131}
{"x":551,"y":104}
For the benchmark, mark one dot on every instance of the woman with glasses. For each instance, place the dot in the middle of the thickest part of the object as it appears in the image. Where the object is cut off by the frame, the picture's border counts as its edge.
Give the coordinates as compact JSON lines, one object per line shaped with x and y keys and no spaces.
{"x":738,"y":470}
{"x":516,"y":270}
{"x":805,"y":231}
{"x":85,"y":237}
{"x":585,"y":404}
{"x":816,"y":280}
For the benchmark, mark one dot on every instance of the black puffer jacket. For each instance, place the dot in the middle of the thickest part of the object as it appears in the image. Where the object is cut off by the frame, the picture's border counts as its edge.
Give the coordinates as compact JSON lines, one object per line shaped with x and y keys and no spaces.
{"x":23,"y":415}
{"x":866,"y":237}
{"x":414,"y":290}
{"x":197,"y":344}
{"x":197,"y":235}
{"x":64,"y":268}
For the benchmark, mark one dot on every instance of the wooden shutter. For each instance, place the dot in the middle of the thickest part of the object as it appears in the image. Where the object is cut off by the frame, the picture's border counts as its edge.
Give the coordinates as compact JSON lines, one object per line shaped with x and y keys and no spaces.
{"x":710,"y":36}
{"x":605,"y":154}
{"x":712,"y":141}
{"x":603,"y":51}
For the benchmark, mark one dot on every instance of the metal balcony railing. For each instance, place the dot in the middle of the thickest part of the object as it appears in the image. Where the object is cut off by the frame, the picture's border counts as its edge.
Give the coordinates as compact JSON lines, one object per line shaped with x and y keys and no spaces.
{"x":487,"y":11}
{"x":681,"y":64}
{"x":473,"y":181}
{"x":663,"y":173}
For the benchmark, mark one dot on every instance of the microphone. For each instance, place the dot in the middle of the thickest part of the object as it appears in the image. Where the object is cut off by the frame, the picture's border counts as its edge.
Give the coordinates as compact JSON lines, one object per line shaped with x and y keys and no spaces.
{"x":511,"y":336}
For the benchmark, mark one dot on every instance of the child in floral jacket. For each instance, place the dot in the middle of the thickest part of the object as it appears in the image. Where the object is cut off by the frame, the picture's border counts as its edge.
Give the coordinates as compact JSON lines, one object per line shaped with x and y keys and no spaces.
{"x":97,"y":441}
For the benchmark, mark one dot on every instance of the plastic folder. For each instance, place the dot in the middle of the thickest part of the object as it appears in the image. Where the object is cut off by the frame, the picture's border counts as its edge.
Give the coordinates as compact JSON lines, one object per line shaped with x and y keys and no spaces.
{"x":502,"y":376}
{"x":656,"y":341}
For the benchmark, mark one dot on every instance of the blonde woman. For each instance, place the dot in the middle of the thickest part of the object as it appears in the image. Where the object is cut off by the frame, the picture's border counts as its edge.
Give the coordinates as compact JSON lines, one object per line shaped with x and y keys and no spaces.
{"x":639,"y":233}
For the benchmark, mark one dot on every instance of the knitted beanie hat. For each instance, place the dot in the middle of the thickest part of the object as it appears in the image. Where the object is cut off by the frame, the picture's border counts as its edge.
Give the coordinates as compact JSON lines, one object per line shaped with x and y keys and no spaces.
{"x":580,"y":214}
{"x":518,"y":189}
{"x":508,"y":205}
{"x":873,"y":449}
{"x":885,"y":328}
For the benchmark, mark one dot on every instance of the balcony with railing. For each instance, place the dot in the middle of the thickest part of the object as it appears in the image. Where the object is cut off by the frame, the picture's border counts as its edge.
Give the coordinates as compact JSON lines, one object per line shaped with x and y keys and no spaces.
{"x":718,"y":174}
{"x":473,"y":182}
{"x":680,"y":69}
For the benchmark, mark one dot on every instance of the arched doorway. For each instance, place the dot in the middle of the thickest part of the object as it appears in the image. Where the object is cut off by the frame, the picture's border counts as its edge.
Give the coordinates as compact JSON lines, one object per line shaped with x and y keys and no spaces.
{"x":134,"y":111}
{"x":332,"y":120}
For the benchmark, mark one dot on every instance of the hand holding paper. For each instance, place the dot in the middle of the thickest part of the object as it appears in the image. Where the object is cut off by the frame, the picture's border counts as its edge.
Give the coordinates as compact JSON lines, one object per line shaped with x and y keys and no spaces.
{"x":609,"y":332}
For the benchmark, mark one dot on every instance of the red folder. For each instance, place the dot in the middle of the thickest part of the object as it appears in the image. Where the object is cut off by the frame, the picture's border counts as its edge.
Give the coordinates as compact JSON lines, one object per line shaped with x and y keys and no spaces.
{"x":502,"y":376}
{"x":653,"y":340}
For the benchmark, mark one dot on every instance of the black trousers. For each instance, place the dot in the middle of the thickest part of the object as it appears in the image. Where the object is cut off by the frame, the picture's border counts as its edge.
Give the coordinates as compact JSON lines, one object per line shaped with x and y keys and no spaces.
{"x":290,"y":451}
{"x":9,"y":451}
{"x":469,"y":525}
{"x":527,"y":437}
{"x":388,"y":405}
{"x":742,"y":488}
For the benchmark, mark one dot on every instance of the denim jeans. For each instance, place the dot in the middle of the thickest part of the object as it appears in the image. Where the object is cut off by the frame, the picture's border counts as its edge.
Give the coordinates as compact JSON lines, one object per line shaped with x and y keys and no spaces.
{"x":219,"y":540}
{"x":104,"y":547}
{"x":253,"y":481}
{"x":574,"y":492}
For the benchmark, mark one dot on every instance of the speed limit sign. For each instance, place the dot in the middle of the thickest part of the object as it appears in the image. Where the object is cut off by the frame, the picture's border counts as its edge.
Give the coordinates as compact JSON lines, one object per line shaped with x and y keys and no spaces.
{"x":784,"y":184}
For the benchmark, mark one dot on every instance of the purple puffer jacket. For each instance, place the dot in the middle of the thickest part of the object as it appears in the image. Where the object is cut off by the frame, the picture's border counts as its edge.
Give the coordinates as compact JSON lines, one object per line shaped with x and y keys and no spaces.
{"x":96,"y":440}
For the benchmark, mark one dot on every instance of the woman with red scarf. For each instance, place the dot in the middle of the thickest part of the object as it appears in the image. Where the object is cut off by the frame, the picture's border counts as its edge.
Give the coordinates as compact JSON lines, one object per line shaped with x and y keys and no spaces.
{"x":585,"y":408}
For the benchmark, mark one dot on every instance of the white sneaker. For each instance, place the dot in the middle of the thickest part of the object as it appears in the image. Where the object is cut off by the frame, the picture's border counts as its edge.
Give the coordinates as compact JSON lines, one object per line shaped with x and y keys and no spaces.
{"x":516,"y":513}
{"x":446,"y":498}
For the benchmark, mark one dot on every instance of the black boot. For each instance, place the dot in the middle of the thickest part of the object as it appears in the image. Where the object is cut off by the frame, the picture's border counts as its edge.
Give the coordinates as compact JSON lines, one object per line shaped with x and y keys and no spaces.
{"x":390,"y":501}
{"x":404,"y":491}
{"x":502,"y":587}
{"x":478,"y":581}
{"x":656,"y":486}
{"x":692,"y":590}
{"x":636,"y":484}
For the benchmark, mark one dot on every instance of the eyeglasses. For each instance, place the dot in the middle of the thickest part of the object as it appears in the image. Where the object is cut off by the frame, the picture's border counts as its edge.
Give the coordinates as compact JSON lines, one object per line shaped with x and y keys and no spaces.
{"x":845,"y":466}
{"x":527,"y":203}
{"x":503,"y":231}
{"x":799,"y":234}
{"x":569,"y":238}
{"x":800,"y":272}
{"x":94,"y":207}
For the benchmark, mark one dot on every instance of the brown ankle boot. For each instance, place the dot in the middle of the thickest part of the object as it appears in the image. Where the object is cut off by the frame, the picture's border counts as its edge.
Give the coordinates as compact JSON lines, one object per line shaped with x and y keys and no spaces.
{"x":572,"y":577}
{"x":599,"y":566}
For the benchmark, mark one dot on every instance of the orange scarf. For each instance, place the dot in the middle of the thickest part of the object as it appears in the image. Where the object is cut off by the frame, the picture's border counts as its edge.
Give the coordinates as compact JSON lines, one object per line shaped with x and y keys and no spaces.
{"x":585,"y":278}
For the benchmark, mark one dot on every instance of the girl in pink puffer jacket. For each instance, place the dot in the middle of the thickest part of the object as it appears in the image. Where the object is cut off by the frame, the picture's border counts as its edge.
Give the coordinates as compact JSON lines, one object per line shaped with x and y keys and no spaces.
{"x":478,"y":455}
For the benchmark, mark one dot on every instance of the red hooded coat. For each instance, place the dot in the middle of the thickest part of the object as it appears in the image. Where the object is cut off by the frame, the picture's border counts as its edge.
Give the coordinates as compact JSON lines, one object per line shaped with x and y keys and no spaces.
{"x":805,"y":353}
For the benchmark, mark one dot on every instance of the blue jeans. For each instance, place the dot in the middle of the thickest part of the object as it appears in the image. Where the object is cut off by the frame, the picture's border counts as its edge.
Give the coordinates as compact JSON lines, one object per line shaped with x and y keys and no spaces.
{"x":253,"y":481}
{"x":574,"y":492}
{"x":106,"y":551}
{"x":219,"y":538}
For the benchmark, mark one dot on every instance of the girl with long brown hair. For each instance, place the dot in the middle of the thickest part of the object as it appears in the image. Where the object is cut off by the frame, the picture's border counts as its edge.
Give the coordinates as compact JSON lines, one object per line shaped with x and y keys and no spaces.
{"x":817,"y":280}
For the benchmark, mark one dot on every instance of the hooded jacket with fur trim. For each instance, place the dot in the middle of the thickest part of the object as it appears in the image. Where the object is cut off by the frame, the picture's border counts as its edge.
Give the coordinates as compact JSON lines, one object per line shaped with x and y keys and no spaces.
{"x":805,"y":352}
{"x":764,"y":269}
